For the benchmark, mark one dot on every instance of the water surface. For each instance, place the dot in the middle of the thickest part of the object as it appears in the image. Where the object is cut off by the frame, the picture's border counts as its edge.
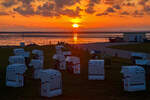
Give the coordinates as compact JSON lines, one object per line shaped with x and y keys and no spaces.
{"x":53,"y":38}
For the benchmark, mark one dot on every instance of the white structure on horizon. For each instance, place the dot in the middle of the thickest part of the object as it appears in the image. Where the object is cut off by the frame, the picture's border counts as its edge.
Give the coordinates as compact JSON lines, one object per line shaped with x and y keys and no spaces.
{"x":134,"y":37}
{"x":75,"y":64}
{"x":16,"y":60}
{"x":96,"y":70}
{"x":51,"y":83}
{"x":14,"y":75}
{"x":133,"y":78}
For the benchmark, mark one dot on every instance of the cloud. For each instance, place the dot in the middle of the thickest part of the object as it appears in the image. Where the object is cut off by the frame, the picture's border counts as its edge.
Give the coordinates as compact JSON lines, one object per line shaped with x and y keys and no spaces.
{"x":25,"y":10}
{"x":47,"y":9}
{"x":130,"y":4}
{"x":90,"y":10}
{"x":55,"y":8}
{"x":26,"y":2}
{"x":138,"y":13}
{"x":147,"y":8}
{"x":62,"y":3}
{"x":110,"y":10}
{"x":117,"y":7}
{"x":9,"y":3}
{"x":71,"y":13}
{"x":51,"y":10}
{"x":143,"y":2}
{"x":3,"y":13}
{"x":108,"y":1}
{"x":101,"y":14}
{"x":94,"y":1}
{"x":90,"y":6}
{"x":125,"y":13}
{"x":112,"y":2}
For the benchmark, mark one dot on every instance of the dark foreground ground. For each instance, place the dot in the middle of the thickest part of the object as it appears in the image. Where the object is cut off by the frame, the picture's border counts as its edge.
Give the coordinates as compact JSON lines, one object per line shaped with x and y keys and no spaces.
{"x":75,"y":87}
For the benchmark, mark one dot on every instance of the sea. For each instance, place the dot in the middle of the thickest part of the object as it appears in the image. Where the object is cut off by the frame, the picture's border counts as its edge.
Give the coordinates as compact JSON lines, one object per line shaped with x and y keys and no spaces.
{"x":46,"y":38}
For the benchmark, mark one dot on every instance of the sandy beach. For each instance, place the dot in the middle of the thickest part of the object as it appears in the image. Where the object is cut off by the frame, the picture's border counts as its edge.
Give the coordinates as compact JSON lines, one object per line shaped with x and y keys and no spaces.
{"x":104,"y":48}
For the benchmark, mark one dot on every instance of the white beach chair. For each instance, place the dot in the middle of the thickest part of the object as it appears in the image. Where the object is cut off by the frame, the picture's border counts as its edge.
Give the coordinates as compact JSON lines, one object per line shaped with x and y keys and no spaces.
{"x":51,"y":83}
{"x":59,"y":49}
{"x":22,"y":44}
{"x":76,"y":63}
{"x":18,"y":51}
{"x":14,"y":75}
{"x":16,"y":60}
{"x":21,"y":52}
{"x":67,"y":53}
{"x":37,"y":65}
{"x":133,"y":78}
{"x":61,"y":59}
{"x":96,"y":70}
{"x":142,"y":62}
{"x":39,"y":54}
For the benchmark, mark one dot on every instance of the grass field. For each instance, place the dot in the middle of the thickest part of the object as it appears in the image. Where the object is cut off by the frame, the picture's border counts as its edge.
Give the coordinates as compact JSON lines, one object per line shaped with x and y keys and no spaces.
{"x":141,"y":47}
{"x":75,"y":87}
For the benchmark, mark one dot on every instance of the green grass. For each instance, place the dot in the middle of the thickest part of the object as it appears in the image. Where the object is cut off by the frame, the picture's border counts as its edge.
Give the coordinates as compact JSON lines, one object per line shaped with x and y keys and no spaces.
{"x":141,"y":47}
{"x":75,"y":87}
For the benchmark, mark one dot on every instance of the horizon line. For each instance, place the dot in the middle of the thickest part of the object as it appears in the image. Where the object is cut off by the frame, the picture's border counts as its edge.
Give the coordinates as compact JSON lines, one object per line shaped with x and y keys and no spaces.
{"x":74,"y":32}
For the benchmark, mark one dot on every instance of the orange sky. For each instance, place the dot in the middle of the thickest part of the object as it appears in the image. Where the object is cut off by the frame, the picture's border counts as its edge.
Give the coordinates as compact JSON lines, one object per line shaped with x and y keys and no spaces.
{"x":59,"y":15}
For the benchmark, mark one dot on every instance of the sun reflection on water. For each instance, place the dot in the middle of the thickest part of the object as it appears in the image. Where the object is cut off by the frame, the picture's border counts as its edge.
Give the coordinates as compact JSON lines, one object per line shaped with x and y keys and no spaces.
{"x":75,"y":38}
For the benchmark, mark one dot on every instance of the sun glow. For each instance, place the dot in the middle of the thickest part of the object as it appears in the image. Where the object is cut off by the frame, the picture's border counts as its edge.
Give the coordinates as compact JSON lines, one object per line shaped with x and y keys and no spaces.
{"x":75,"y":20}
{"x":75,"y":25}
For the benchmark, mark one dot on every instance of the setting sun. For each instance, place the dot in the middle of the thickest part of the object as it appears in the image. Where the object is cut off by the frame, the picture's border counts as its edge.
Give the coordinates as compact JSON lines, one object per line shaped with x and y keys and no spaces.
{"x":75,"y":25}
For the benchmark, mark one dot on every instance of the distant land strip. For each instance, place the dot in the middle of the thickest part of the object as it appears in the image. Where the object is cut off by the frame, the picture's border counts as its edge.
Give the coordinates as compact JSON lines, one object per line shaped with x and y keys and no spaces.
{"x":81,"y":32}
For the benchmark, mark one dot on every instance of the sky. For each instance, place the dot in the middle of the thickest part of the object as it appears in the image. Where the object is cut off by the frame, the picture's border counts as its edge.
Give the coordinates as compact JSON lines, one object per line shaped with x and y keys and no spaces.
{"x":59,"y":15}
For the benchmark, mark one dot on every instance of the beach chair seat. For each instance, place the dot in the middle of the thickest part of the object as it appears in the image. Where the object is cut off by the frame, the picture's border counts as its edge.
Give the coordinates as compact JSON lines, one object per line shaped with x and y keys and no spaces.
{"x":51,"y":83}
